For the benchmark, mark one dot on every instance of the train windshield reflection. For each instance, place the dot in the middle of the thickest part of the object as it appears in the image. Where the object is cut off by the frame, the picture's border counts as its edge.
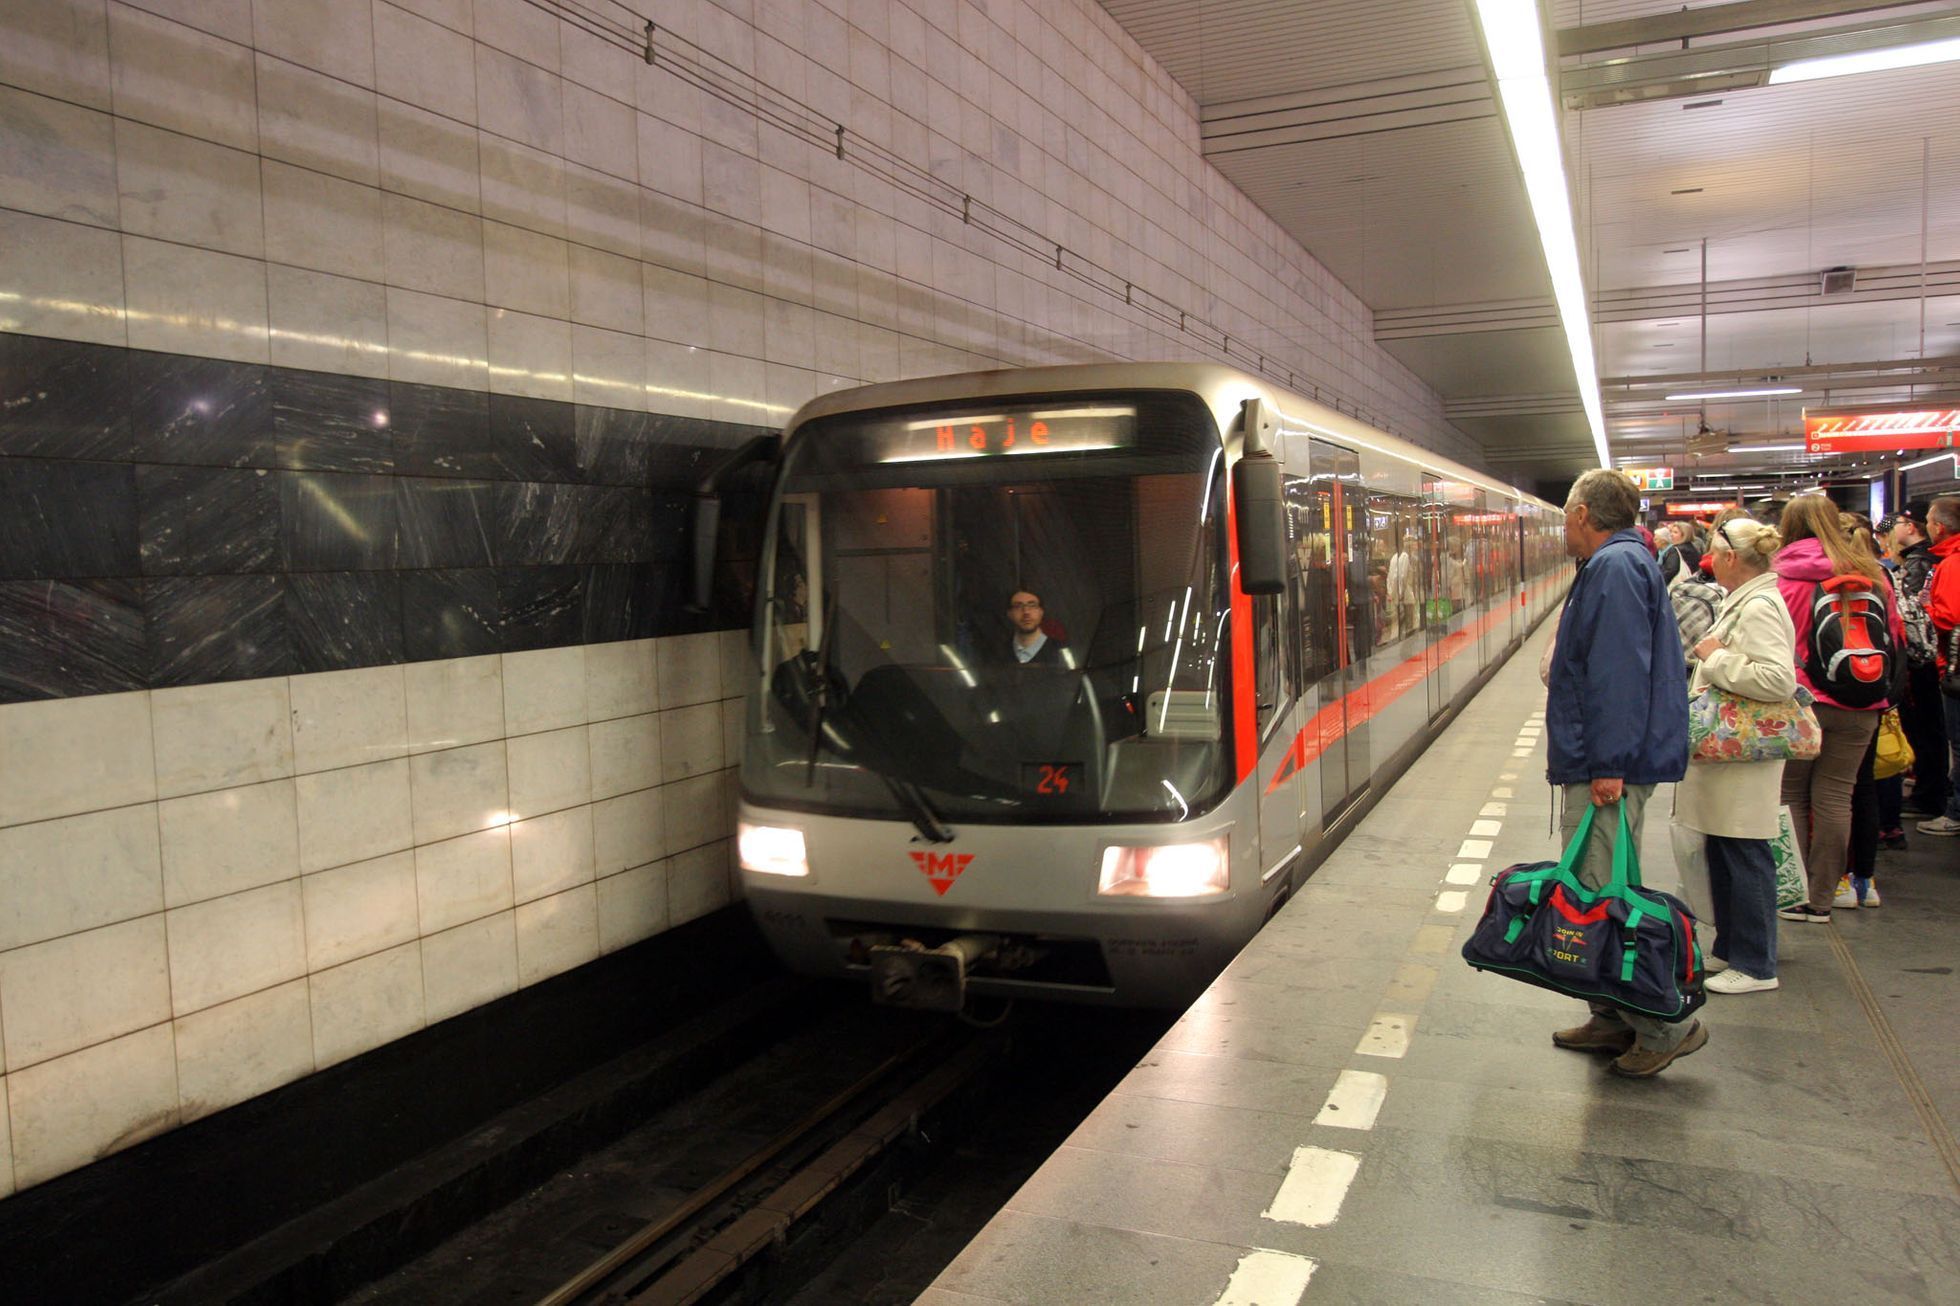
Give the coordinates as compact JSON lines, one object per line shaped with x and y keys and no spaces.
{"x":1015,"y":614}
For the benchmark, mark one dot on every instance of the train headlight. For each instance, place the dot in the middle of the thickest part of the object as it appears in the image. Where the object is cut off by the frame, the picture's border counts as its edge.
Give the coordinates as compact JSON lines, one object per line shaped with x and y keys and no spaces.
{"x":771,"y":849}
{"x":1172,"y":870}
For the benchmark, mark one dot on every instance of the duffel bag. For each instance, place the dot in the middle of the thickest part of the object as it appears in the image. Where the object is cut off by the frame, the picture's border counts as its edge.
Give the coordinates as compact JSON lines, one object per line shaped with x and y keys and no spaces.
{"x":1625,"y":944}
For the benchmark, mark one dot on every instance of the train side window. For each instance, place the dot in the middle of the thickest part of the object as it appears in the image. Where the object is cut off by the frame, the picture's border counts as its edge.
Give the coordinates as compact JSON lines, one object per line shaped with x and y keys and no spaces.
{"x":1271,"y":666}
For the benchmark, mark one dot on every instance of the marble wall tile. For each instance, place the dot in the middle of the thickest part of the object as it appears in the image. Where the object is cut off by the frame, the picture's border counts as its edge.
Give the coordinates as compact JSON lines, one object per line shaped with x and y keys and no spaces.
{"x":465,"y":879}
{"x":607,"y":291}
{"x":549,"y":771}
{"x":541,"y":607}
{"x":455,"y":702}
{"x":56,"y":159}
{"x":626,"y":602}
{"x":207,"y":411}
{"x":62,"y":399}
{"x":433,"y":247}
{"x":353,"y":814}
{"x":450,"y":614}
{"x":690,"y":741}
{"x":74,"y":755}
{"x":533,"y":439}
{"x":551,"y":853}
{"x":334,"y":521}
{"x":68,"y":1111}
{"x":228,"y":840}
{"x":691,"y":812}
{"x":315,"y":121}
{"x":424,"y":63}
{"x":348,"y":718}
{"x":555,"y":934}
{"x":64,"y":638}
{"x":78,"y":873}
{"x":429,"y":156}
{"x":58,"y":48}
{"x":228,"y":19}
{"x":459,"y":790}
{"x":327,"y":323}
{"x":242,"y":1048}
{"x":627,"y":831}
{"x":608,"y":368}
{"x":632,"y":906}
{"x":194,"y":301}
{"x":316,"y":220}
{"x":627,"y":753}
{"x":690,"y":670}
{"x":365,"y":1003}
{"x":537,"y":523}
{"x":468,"y":966}
{"x":231,"y":946}
{"x":519,"y":100}
{"x":619,"y":679}
{"x":323,"y":422}
{"x":698,"y":882}
{"x":220,"y":736}
{"x":677,"y":376}
{"x":518,"y":28}
{"x":543,"y":690}
{"x":68,"y":276}
{"x":335,"y":39}
{"x":47,"y":1013}
{"x":526,"y":271}
{"x":201,"y":520}
{"x":210,"y":628}
{"x":530,"y":355}
{"x":179,"y":188}
{"x":600,"y":132}
{"x":352,"y":911}
{"x":173,"y":76}
{"x":603,"y":211}
{"x":340,"y":620}
{"x":441,"y":431}
{"x":522,"y":186}
{"x":437,"y":341}
{"x":613,"y":446}
{"x":445,"y":523}
{"x":71,"y":520}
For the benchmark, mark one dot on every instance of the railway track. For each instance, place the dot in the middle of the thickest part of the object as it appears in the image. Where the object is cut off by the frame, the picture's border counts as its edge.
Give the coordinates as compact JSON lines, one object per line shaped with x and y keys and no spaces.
{"x":740,"y":1217}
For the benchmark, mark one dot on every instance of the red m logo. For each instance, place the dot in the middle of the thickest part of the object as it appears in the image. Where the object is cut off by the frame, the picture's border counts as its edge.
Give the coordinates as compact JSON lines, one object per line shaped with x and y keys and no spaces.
{"x":941,"y":868}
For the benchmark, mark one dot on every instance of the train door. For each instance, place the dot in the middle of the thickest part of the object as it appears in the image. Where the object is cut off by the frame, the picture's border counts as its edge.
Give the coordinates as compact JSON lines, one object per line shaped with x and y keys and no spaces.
{"x":1340,"y":708}
{"x":1276,"y":687}
{"x":1440,"y":610}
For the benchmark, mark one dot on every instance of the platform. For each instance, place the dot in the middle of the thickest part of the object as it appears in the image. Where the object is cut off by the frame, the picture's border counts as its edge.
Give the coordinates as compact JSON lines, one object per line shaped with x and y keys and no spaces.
{"x":1351,"y":1114}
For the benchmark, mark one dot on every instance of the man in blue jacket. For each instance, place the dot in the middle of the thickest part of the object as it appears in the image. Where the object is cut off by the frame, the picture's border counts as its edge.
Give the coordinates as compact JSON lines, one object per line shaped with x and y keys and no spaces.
{"x":1616,"y":725}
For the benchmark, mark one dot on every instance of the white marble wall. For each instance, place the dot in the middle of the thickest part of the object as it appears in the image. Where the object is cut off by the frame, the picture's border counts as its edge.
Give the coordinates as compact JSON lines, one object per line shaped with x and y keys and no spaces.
{"x":208,"y":892}
{"x":470,"y":192}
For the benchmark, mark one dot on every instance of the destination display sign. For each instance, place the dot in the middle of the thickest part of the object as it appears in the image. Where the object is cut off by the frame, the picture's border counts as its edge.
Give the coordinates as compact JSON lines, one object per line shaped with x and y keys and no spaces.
{"x":1699,"y":507}
{"x":1869,"y":432}
{"x":1001,"y":433}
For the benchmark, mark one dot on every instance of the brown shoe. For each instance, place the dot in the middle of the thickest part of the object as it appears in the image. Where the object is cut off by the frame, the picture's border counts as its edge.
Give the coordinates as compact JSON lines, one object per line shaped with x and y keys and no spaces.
{"x":1595,"y":1036}
{"x":1644,"y":1063}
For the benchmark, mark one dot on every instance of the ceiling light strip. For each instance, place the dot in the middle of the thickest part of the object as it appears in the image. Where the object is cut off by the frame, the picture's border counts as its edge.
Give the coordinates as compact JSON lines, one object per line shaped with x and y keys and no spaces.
{"x":1516,"y":47}
{"x":1757,"y":393}
{"x":1867,"y":61}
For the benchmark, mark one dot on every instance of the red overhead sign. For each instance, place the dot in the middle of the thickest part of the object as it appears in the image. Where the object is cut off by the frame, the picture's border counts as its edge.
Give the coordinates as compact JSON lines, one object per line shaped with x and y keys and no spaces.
{"x":1935,"y":428}
{"x":1699,"y":507}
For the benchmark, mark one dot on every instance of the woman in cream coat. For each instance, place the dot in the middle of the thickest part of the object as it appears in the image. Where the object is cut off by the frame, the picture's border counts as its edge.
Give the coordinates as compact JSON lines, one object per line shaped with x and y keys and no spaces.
{"x":1750,"y":651}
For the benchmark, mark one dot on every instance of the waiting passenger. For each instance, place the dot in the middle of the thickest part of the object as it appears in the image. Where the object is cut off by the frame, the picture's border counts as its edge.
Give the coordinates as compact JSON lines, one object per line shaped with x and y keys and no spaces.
{"x":1616,"y":726}
{"x":1818,"y":792}
{"x":1032,"y":644}
{"x":1694,"y":595}
{"x":1921,"y":714}
{"x":1943,"y":608}
{"x":1750,"y":652}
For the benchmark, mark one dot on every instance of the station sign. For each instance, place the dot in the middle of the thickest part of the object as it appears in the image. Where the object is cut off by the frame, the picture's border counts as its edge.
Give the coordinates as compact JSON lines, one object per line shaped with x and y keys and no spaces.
{"x":1651,"y":478}
{"x":1869,"y":432}
{"x":1700,"y":507}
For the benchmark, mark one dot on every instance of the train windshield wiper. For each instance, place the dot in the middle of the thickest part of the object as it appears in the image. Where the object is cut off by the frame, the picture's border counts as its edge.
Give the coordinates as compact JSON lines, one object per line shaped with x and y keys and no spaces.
{"x":822,"y":688}
{"x":924,"y":819}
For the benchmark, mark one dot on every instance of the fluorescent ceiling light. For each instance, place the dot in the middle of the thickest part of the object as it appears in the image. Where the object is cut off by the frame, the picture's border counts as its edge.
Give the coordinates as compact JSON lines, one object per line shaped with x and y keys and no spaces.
{"x":1765,"y":448}
{"x":1740,"y":394}
{"x":1927,"y":462}
{"x":1866,"y":61}
{"x":1517,"y":59}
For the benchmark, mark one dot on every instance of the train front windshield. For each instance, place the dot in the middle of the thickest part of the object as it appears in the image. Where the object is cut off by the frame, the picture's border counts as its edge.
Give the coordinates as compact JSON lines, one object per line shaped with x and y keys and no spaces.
{"x":908,"y":672}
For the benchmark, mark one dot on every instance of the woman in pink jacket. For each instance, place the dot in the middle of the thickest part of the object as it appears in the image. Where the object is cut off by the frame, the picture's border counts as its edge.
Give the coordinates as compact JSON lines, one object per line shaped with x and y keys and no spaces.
{"x":1818,"y":793}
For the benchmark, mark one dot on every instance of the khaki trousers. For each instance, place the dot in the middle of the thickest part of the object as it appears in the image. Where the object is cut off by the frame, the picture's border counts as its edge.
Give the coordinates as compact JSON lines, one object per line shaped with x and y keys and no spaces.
{"x":1595,"y":868}
{"x":1818,"y":794}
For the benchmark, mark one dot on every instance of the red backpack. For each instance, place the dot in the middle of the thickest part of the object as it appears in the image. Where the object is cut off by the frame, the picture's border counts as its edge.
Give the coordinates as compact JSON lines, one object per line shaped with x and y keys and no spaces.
{"x":1851,"y":654}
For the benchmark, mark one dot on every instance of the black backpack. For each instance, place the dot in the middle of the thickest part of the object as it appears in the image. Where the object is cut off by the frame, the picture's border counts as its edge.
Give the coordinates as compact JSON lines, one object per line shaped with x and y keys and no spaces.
{"x":1851,"y":655}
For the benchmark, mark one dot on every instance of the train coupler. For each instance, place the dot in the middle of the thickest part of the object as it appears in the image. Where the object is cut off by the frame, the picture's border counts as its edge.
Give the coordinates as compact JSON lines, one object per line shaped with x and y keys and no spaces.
{"x":908,"y":974}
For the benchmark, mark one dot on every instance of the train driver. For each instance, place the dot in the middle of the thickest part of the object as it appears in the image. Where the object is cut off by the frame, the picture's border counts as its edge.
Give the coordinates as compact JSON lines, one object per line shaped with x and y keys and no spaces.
{"x":1031,"y":644}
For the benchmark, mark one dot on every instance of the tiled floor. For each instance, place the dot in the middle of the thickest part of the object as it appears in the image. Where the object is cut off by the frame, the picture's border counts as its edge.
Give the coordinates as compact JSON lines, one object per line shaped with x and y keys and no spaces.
{"x":1784,"y":1162}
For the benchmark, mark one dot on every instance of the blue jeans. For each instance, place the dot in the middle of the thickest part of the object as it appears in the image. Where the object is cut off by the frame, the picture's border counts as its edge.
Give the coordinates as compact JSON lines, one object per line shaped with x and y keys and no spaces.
{"x":1952,"y":706}
{"x":1742,"y":889}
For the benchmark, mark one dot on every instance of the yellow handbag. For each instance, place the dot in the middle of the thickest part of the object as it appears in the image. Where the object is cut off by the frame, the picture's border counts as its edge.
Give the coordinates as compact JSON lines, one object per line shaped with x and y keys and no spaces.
{"x":1894,"y":753}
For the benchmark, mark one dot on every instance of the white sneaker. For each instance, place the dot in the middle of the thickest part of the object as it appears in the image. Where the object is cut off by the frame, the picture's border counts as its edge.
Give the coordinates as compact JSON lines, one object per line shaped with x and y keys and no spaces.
{"x":1713,"y":965}
{"x":1734,"y":981}
{"x":1846,"y":897}
{"x":1942,"y":825}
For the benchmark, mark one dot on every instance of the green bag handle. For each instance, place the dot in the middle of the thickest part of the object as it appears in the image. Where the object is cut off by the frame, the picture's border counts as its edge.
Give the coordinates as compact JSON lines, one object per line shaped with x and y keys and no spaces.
{"x":1626,"y":867}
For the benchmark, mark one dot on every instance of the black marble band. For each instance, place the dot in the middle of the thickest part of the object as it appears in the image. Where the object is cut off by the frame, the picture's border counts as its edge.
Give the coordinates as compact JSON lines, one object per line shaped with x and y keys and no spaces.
{"x":170,"y":520}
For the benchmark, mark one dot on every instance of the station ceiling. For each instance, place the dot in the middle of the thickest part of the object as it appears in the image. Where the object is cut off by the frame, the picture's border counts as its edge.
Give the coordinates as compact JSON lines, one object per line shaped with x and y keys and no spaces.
{"x":1707,"y":202}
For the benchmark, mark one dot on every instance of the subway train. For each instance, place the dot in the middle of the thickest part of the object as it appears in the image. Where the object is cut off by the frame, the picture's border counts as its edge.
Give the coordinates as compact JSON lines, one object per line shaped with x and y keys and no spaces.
{"x":1065,"y":678}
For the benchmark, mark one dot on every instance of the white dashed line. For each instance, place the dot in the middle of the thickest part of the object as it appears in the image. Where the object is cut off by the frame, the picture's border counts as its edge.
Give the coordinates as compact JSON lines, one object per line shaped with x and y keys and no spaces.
{"x":1530,"y":728}
{"x":1266,"y":1278}
{"x":1387,"y":1036}
{"x":1502,"y":791}
{"x":1521,"y":752}
{"x":1507,"y":775}
{"x":1465,"y":873}
{"x":1487,"y":829}
{"x":1314,"y":1187}
{"x":1451,"y":900}
{"x":1494,"y":809}
{"x":1356,"y":1098}
{"x":1473,"y":850}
